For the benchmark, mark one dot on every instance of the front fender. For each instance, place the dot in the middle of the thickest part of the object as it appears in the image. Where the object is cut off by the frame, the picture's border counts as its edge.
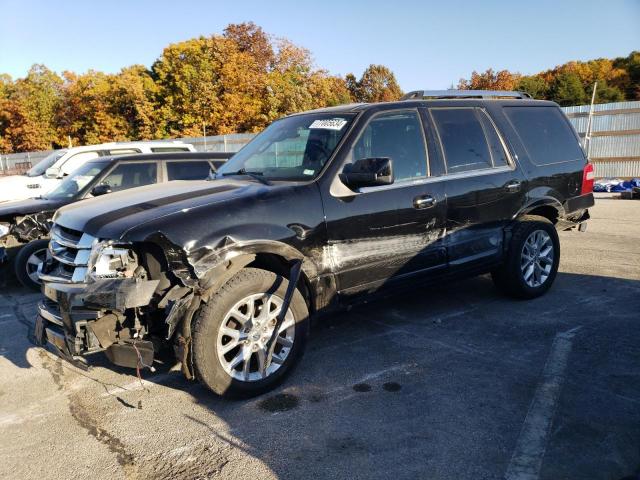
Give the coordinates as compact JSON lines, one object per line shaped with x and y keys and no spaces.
{"x":202,"y":268}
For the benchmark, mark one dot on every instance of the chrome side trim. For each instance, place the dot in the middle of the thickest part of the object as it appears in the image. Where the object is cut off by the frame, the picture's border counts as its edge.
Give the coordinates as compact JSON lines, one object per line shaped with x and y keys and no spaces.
{"x":441,"y":178}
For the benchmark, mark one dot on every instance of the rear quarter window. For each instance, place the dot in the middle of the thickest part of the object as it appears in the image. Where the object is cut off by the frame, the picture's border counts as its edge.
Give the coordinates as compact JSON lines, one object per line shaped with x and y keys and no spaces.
{"x":545,"y":134}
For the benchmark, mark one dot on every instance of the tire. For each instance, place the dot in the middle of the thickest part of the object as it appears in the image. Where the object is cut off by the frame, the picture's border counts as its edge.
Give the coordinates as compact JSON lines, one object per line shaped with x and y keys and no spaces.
{"x":247,"y":287}
{"x":24,"y":264}
{"x":527,"y":276}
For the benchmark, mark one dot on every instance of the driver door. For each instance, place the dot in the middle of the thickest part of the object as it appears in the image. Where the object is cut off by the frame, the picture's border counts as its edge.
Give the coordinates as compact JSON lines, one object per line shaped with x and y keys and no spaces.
{"x":385,"y":234}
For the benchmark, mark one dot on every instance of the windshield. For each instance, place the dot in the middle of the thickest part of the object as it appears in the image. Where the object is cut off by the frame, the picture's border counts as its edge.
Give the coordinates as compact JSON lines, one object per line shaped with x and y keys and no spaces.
{"x":48,"y":161}
{"x":75,"y":182}
{"x":294,"y":148}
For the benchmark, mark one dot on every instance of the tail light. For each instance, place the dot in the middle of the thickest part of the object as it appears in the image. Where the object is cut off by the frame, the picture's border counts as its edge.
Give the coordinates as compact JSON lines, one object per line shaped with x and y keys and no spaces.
{"x":588,"y":177}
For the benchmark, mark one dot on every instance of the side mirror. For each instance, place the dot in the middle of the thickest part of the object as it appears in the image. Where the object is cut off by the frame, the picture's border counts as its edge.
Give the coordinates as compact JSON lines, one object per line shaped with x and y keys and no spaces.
{"x":53,"y":172}
{"x":368,"y":172}
{"x":101,"y":189}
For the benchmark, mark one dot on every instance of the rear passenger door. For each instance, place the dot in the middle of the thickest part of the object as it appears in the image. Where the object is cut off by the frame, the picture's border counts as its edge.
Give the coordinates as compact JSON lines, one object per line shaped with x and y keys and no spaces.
{"x":484,"y":186}
{"x":187,"y":169}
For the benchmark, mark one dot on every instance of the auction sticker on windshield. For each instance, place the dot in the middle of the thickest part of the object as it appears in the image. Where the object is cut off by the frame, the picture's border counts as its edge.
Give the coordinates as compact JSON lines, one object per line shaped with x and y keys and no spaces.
{"x":329,"y":124}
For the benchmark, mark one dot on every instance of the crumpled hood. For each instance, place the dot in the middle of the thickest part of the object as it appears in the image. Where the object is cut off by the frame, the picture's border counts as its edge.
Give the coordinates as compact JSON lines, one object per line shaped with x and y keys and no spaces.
{"x":112,"y":215}
{"x":9,"y":210}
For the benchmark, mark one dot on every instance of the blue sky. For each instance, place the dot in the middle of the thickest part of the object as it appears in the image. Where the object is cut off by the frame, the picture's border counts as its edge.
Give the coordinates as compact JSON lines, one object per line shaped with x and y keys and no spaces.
{"x":426,"y":44}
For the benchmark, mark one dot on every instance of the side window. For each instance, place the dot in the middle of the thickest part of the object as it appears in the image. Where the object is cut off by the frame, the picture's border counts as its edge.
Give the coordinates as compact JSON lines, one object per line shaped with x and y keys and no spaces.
{"x":545,"y":134}
{"x":463,"y":140}
{"x":123,"y":151}
{"x":188,"y":170}
{"x":498,"y":155}
{"x":130,"y":175}
{"x":77,"y":160}
{"x":398,"y":136}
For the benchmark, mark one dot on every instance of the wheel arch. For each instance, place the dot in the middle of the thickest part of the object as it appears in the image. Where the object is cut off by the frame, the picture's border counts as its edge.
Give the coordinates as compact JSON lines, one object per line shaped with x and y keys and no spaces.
{"x":547,"y":207}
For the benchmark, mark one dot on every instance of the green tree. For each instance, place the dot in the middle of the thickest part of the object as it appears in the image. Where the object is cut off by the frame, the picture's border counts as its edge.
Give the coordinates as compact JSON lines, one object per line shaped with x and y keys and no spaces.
{"x":534,"y":85}
{"x":631,"y":66}
{"x":567,"y":89}
{"x":607,"y":94}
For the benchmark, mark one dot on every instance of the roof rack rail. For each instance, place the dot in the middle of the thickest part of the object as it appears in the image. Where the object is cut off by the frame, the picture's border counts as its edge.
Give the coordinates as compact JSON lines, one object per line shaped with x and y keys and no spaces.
{"x":461,"y":94}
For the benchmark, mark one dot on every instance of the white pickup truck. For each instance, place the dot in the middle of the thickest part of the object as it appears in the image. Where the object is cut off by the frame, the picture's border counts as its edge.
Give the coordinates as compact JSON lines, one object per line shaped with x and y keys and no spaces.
{"x":49,"y":172}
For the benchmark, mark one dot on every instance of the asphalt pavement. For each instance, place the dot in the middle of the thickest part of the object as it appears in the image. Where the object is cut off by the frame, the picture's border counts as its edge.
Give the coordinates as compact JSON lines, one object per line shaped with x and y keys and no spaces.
{"x":453,"y":382}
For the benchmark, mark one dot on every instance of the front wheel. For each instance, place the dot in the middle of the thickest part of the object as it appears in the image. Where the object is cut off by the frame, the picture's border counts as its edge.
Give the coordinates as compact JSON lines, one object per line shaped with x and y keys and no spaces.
{"x":28,"y":261}
{"x":531,"y":262}
{"x":230,"y":335}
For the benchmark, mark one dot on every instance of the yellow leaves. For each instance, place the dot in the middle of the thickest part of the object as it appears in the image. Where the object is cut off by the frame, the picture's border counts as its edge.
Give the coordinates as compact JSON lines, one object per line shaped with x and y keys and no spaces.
{"x":377,"y":84}
{"x":490,"y":80}
{"x":570,"y":83}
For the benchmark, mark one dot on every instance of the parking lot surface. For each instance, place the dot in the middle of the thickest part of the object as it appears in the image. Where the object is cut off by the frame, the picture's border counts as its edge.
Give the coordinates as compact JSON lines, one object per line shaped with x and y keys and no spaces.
{"x":453,"y":382}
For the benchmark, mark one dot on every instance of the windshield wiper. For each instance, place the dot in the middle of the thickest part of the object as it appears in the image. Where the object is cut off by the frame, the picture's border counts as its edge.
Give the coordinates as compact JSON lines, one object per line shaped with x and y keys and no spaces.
{"x":259,"y":176}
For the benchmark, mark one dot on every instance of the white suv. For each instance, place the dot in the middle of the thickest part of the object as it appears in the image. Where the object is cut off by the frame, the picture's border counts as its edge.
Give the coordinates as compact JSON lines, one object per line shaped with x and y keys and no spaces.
{"x":48,"y":173}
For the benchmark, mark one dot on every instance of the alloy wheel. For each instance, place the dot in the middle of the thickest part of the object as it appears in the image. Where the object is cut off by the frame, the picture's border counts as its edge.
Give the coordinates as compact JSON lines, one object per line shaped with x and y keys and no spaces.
{"x":536,"y":260}
{"x":244,"y":334}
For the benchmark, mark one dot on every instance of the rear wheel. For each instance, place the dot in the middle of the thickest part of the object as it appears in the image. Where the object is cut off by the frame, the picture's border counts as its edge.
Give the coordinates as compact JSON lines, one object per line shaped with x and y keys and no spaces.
{"x":532,"y":260}
{"x":230,"y":334}
{"x":28,"y":261}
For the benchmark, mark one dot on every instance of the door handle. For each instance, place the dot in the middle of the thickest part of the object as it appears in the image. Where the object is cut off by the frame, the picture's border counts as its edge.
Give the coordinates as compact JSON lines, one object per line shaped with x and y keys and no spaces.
{"x":513,"y":186}
{"x":424,"y":201}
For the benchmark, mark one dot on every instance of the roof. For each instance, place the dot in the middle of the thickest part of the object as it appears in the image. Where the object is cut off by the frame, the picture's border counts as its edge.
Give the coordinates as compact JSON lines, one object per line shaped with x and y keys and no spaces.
{"x":136,"y":157}
{"x":435,"y":102}
{"x":146,"y":143}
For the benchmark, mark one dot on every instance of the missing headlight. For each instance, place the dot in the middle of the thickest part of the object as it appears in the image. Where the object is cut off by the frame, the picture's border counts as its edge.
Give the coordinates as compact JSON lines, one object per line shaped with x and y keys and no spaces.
{"x":114,"y":262}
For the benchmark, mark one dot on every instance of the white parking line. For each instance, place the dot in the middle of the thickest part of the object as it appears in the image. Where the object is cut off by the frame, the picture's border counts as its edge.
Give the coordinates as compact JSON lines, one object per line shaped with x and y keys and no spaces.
{"x":528,"y":454}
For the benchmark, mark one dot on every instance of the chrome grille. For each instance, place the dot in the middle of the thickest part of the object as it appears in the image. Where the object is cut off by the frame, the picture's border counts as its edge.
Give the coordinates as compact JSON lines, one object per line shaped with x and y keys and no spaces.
{"x":70,"y":251}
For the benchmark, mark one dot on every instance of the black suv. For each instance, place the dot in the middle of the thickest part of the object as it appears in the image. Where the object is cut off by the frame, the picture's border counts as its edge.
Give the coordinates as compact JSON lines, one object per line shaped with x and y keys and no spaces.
{"x":321,"y":209}
{"x":25,"y":224}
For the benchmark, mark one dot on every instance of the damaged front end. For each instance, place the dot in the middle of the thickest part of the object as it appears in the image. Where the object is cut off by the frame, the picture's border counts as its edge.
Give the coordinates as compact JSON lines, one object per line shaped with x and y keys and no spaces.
{"x":126,"y":300}
{"x":97,"y":297}
{"x":21,"y":230}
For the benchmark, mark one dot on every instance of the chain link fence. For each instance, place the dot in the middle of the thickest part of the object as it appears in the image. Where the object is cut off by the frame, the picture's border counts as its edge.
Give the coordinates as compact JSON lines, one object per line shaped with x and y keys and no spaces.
{"x":18,"y":163}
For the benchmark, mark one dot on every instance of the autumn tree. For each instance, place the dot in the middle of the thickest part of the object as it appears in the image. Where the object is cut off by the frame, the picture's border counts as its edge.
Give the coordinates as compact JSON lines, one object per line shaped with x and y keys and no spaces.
{"x":135,"y":99}
{"x":6,"y":84}
{"x":89,"y":115}
{"x":631,"y":66}
{"x":251,"y":39}
{"x":377,"y":84}
{"x":28,"y":110}
{"x":210,"y":80}
{"x":490,"y":80}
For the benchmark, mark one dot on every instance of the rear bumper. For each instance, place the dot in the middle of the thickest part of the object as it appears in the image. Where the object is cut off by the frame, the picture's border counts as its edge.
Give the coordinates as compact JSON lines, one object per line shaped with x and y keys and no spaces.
{"x":576,"y":205}
{"x":576,"y":212}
